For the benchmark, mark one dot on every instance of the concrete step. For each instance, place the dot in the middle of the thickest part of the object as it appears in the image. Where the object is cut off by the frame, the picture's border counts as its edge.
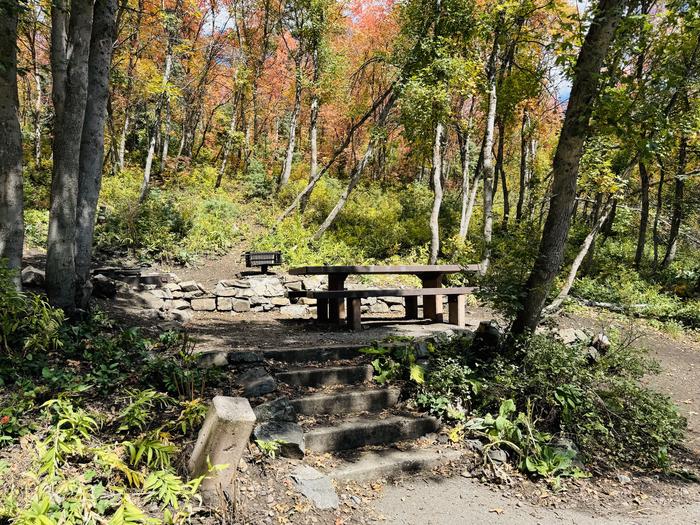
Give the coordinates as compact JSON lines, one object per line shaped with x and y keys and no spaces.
{"x":364,"y":431}
{"x":322,"y":353}
{"x":327,"y":376}
{"x":347,"y":402}
{"x":390,"y":464}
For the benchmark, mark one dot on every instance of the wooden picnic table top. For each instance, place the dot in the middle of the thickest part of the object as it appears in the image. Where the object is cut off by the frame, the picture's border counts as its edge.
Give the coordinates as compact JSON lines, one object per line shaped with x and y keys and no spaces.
{"x":416,"y":269}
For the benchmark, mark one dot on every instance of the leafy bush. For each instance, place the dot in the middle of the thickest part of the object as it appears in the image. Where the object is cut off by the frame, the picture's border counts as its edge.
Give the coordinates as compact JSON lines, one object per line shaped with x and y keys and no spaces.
{"x":36,"y":228}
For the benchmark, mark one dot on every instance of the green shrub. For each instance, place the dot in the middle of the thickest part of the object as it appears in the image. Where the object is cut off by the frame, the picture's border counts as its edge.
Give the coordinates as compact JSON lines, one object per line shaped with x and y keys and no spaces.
{"x":36,"y":228}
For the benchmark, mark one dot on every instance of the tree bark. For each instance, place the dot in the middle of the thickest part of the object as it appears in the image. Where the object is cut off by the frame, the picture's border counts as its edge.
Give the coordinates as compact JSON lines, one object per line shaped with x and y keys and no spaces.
{"x":567,"y":157}
{"x":289,"y":156}
{"x":643,"y":215}
{"x":92,"y":142}
{"x":437,"y":194}
{"x":487,"y":167}
{"x":11,"y":193}
{"x":70,"y":102}
{"x":677,"y":216}
{"x":313,"y":117}
{"x":500,"y":171}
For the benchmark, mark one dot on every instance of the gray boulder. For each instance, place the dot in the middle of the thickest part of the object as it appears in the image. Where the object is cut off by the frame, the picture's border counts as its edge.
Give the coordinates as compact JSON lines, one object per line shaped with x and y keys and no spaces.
{"x":103,"y":286}
{"x":315,"y":486}
{"x":290,"y":435}
{"x":257,"y":382}
{"x":32,"y":276}
{"x":278,"y":410}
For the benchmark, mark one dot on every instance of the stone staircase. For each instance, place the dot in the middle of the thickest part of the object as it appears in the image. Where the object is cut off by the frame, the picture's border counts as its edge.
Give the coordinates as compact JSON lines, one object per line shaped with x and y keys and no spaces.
{"x":341,"y":411}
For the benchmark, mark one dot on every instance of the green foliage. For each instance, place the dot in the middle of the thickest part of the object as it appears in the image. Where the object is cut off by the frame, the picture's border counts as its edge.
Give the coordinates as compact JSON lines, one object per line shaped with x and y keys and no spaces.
{"x":271,"y":447}
{"x":36,"y":227}
{"x":449,"y":388}
{"x":395,"y":362}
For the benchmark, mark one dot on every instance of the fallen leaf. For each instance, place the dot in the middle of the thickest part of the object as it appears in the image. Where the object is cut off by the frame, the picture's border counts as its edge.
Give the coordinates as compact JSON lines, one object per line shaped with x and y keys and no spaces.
{"x":497,"y":511}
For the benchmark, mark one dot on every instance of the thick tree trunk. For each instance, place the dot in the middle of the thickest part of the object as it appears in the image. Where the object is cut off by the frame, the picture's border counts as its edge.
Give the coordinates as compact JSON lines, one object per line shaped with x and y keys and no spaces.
{"x":677,"y":216}
{"x":643,"y":215}
{"x":70,"y":114}
{"x":289,"y":156}
{"x":11,"y":195}
{"x":92,"y":142}
{"x":437,"y":193}
{"x":487,"y":167}
{"x":566,"y":163}
{"x":583,"y":252}
{"x":357,"y":171}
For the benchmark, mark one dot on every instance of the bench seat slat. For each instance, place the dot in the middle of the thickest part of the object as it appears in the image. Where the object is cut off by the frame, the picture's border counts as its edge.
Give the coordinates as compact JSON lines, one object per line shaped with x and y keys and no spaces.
{"x":390,"y":292}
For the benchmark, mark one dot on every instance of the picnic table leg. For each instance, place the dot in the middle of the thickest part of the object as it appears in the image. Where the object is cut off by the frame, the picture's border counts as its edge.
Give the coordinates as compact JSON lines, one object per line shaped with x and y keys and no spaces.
{"x":336,"y":307}
{"x":355,"y":313}
{"x":322,"y":310}
{"x":412,"y":307}
{"x":456,"y":304}
{"x":432,"y":304}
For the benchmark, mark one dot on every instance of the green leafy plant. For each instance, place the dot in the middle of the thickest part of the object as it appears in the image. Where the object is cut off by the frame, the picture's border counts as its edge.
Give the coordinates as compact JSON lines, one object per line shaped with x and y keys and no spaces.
{"x":395,"y":362}
{"x":270,"y":448}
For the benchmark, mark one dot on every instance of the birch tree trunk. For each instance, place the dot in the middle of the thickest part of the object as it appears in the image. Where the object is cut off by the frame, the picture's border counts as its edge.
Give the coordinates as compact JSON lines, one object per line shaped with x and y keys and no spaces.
{"x":92,"y":142}
{"x":465,"y":156}
{"x":289,"y":156}
{"x":583,"y":252}
{"x":500,"y":171}
{"x":70,"y":102}
{"x":11,"y":193}
{"x":567,"y":157}
{"x":487,"y":167}
{"x":437,"y":192}
{"x":657,"y":212}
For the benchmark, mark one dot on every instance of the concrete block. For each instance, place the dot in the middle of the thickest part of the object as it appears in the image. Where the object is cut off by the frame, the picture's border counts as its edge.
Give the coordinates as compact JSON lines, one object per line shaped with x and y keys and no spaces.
{"x":221,"y":441}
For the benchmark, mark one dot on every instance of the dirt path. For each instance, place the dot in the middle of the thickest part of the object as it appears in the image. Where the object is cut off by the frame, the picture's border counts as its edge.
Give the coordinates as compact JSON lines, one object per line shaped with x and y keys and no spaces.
{"x":459,"y":501}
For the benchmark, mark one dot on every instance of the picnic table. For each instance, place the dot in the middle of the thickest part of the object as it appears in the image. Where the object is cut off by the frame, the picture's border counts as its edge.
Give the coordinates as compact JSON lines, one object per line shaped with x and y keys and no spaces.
{"x":431,"y":276}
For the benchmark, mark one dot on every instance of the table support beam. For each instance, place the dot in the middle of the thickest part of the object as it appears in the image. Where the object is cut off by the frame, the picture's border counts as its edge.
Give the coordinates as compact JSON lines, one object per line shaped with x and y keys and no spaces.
{"x":432,"y":305}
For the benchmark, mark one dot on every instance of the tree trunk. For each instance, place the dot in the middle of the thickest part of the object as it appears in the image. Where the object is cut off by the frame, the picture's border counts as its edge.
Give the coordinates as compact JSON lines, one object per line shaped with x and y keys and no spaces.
{"x":166,"y":133}
{"x":677,"y":216}
{"x":437,"y":192}
{"x":289,"y":156}
{"x":524,"y":164}
{"x":583,"y":252}
{"x":567,"y":157}
{"x":487,"y":167}
{"x":500,"y":170}
{"x":131,"y":68}
{"x":92,"y":142}
{"x":70,"y":114}
{"x":465,"y":156}
{"x":313,"y":117}
{"x":227,"y":145}
{"x":357,"y":172}
{"x":657,"y":212}
{"x":11,"y":194}
{"x":644,"y":214}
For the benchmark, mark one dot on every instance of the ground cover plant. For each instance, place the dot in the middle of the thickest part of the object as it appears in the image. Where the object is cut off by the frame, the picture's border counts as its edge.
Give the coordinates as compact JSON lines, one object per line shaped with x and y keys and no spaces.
{"x":558,"y":410}
{"x":94,"y":418}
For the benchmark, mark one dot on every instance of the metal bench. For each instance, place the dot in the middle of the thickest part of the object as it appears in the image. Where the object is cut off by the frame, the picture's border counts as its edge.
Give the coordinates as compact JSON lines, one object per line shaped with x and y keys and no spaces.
{"x":455,"y":300}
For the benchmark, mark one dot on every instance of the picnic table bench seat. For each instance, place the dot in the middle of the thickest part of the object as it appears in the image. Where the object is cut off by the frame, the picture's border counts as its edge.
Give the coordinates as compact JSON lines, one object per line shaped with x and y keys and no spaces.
{"x":455,"y":300}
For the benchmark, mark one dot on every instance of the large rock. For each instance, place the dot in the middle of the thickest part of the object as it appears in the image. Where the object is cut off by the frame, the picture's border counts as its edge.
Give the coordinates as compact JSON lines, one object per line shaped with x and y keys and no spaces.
{"x":266,"y":286}
{"x":180,"y":304}
{"x":380,"y":307}
{"x":256,"y":382}
{"x":294,"y":286}
{"x":234,"y":283}
{"x":289,"y":435}
{"x":221,"y":441}
{"x":225,"y":291}
{"x":103,"y":286}
{"x":224,"y":304}
{"x":189,"y":286}
{"x":203,"y":305}
{"x":181,"y":316}
{"x":278,"y":410}
{"x":240,"y":305}
{"x":572,"y":335}
{"x":315,"y":486}
{"x":296,"y":311}
{"x":33,"y":276}
{"x":279,"y":301}
{"x":259,"y":300}
{"x":240,"y":357}
{"x":315,"y":282}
